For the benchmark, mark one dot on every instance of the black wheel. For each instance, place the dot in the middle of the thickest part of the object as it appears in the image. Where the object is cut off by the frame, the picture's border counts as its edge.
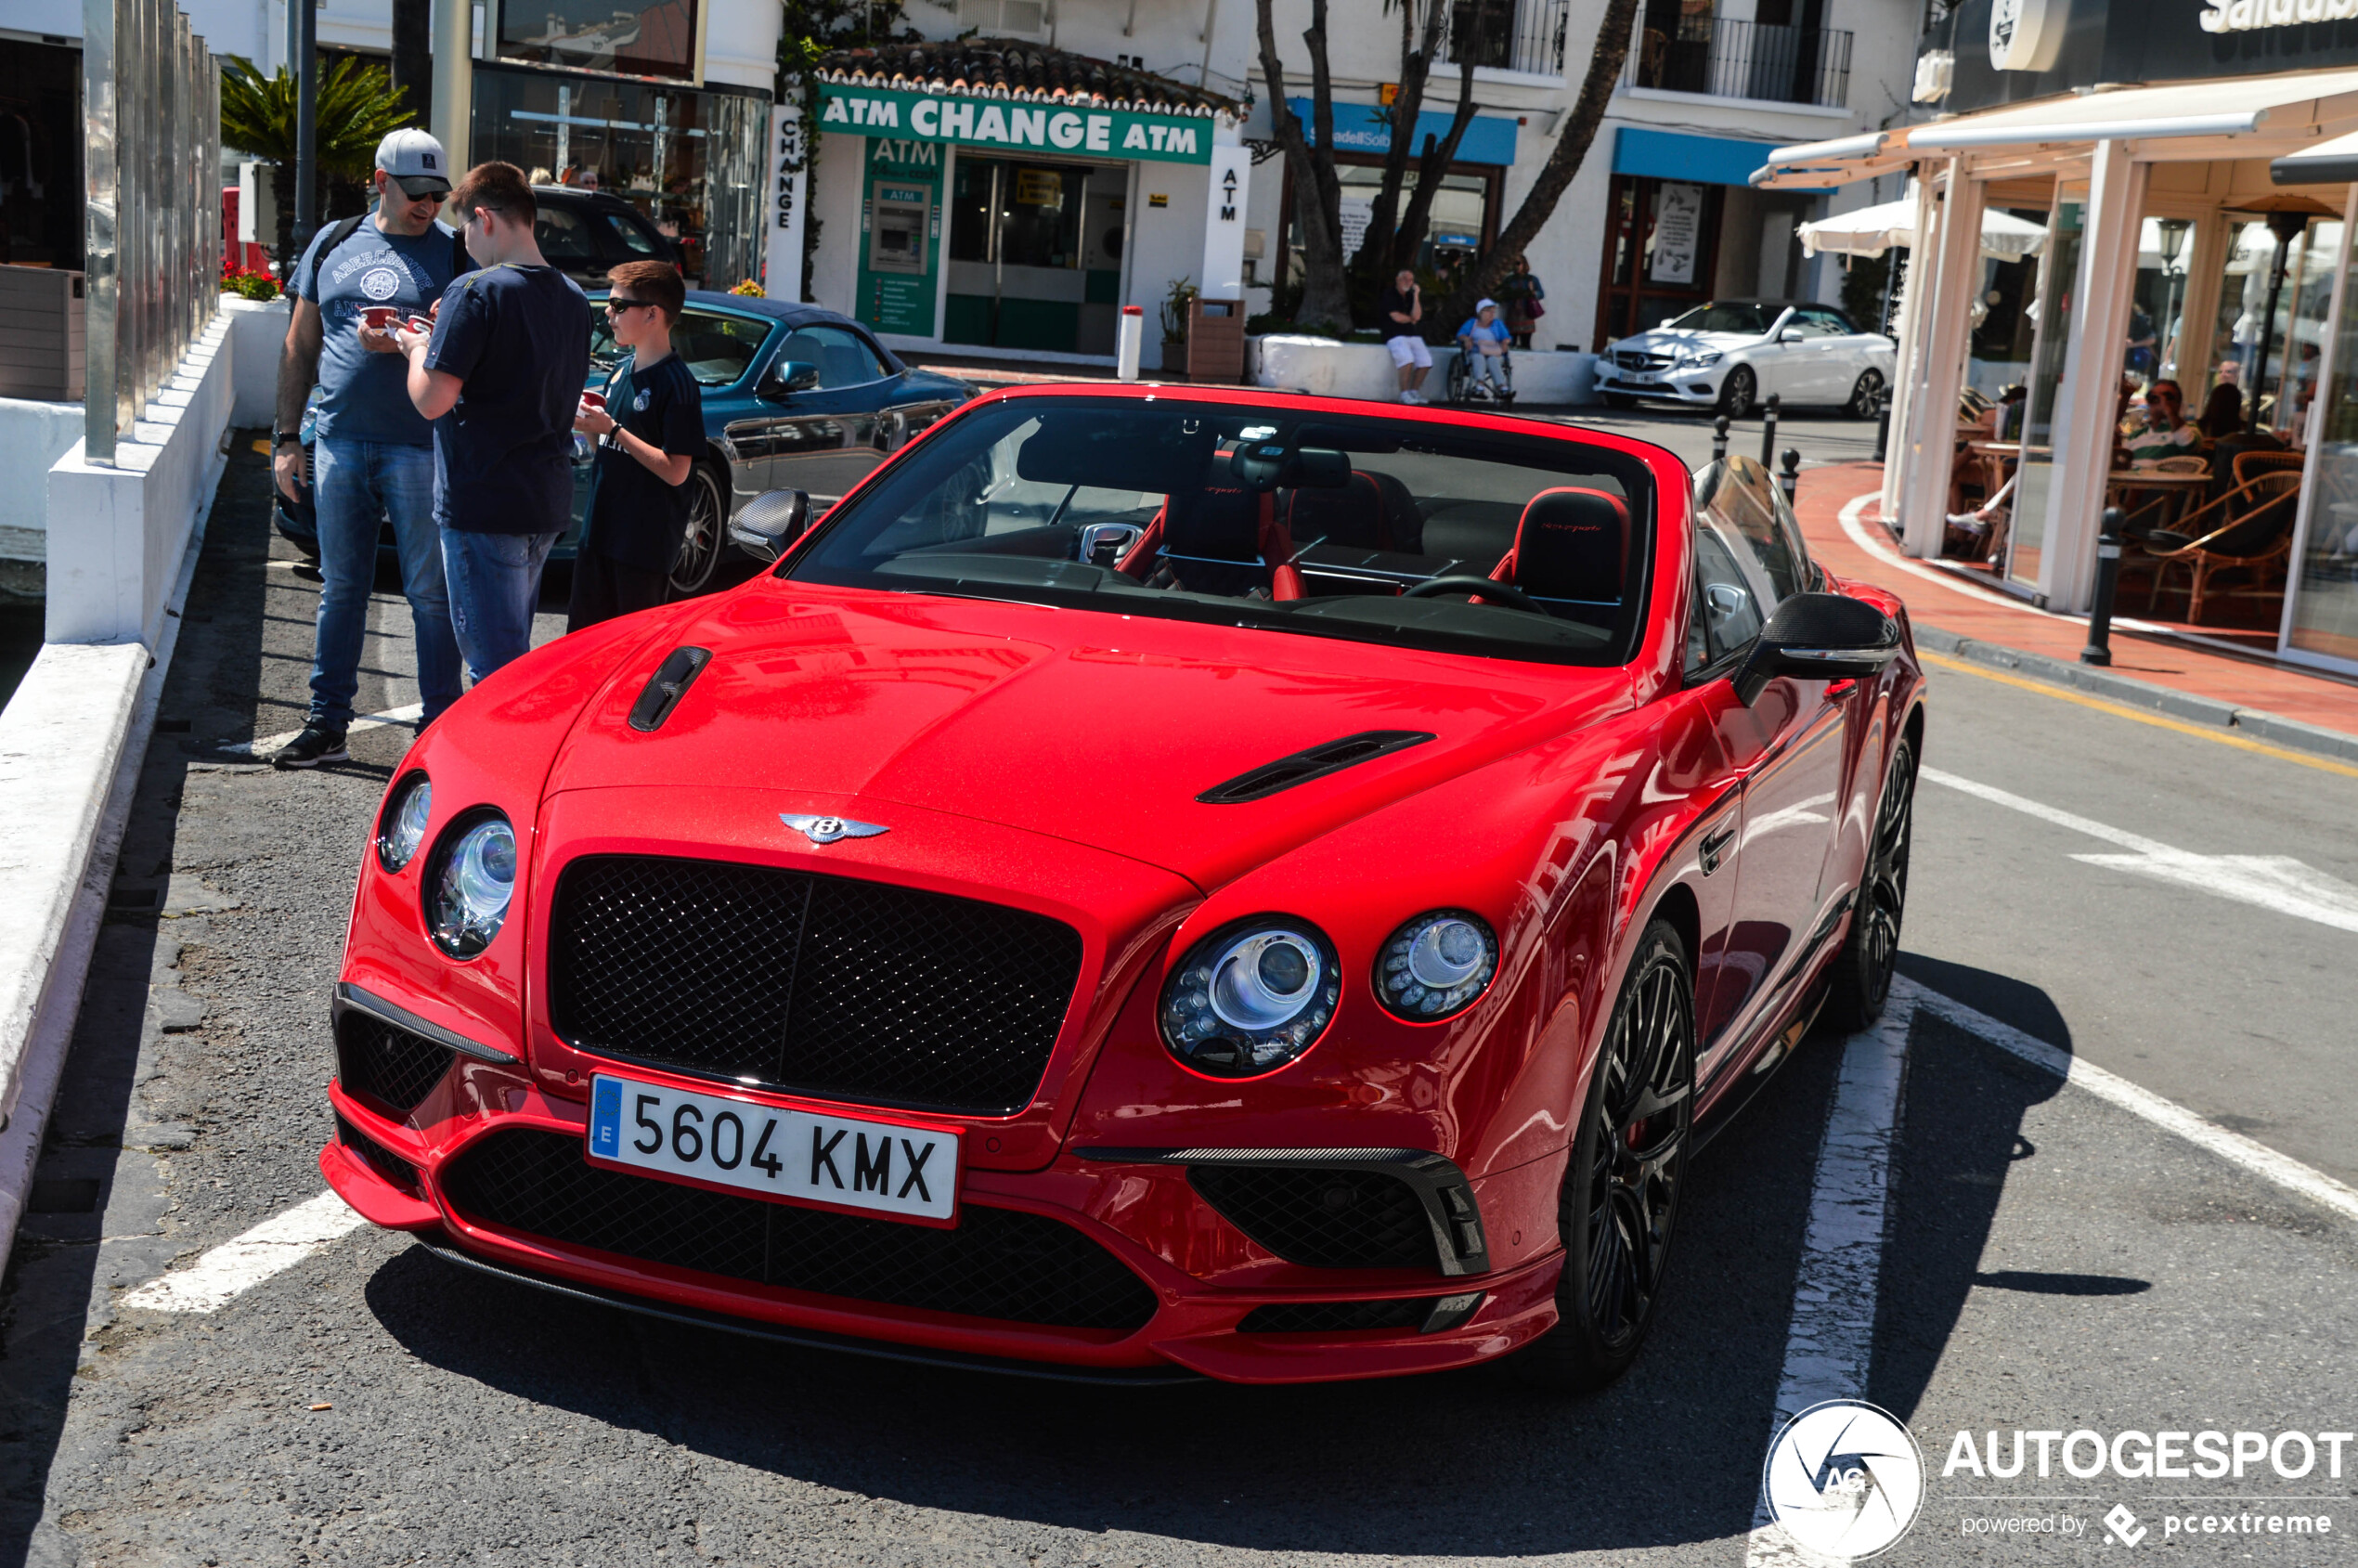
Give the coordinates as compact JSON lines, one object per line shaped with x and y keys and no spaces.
{"x":1620,"y":1197}
{"x":1620,"y":400}
{"x":700,"y":539}
{"x":1738,"y":393}
{"x":1866,"y":397}
{"x":1862,"y":971}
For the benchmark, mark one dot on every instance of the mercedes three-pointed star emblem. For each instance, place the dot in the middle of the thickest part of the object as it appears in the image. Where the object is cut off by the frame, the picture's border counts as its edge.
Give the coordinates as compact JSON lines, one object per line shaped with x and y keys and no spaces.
{"x":826,"y":830}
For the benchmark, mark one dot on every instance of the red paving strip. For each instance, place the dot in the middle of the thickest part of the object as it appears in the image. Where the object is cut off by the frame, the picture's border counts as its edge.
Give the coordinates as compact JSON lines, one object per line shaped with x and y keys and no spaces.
{"x":1986,"y":615}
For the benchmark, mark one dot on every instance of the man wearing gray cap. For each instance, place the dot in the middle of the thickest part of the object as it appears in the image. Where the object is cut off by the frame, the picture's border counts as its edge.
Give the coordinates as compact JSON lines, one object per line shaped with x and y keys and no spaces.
{"x":373,"y":453}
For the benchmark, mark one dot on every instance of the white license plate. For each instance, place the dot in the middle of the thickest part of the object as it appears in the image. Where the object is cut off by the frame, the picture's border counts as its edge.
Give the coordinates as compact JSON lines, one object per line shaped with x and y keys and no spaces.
{"x":845,"y":1162}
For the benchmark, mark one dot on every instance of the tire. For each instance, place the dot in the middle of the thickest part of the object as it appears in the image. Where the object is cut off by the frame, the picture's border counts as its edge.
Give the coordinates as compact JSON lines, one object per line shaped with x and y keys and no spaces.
{"x":1620,"y":400}
{"x":1738,"y":393}
{"x":1860,"y":979}
{"x":1866,"y":397}
{"x":1619,"y":1203}
{"x":702,"y":539}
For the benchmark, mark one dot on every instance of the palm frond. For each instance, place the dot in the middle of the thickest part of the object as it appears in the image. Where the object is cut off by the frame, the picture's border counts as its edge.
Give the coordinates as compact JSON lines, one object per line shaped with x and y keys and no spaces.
{"x":357,"y":106}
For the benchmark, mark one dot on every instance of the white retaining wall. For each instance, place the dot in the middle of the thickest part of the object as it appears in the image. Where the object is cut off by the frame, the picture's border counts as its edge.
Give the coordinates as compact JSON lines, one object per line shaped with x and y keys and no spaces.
{"x":1327,"y":368}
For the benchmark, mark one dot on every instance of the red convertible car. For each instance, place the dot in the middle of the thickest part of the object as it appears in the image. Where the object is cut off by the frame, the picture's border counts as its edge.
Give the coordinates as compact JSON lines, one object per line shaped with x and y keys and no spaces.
{"x":1159,"y":883}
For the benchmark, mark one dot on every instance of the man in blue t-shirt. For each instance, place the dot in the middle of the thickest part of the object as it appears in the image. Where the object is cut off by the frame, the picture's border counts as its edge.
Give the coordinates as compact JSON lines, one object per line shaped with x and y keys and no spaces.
{"x":372,"y":454}
{"x":501,"y":376}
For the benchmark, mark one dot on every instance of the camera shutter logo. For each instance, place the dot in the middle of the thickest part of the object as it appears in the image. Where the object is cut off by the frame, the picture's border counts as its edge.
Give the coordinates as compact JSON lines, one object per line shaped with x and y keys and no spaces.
{"x":380,"y":283}
{"x":2026,"y":34}
{"x":1843,"y":1479}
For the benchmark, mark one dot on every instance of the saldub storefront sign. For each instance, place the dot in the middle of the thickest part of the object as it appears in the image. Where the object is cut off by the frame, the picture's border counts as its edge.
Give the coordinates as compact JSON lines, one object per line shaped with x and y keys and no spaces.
{"x":2250,"y":16}
{"x":1014,"y":125}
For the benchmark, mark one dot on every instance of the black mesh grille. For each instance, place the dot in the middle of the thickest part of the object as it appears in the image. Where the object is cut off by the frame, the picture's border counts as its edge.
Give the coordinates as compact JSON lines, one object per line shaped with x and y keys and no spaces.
{"x":1322,"y":1218}
{"x":391,"y":1065}
{"x":1337,"y":1317}
{"x":382,"y":1160}
{"x":822,"y":985}
{"x":997,"y":1262}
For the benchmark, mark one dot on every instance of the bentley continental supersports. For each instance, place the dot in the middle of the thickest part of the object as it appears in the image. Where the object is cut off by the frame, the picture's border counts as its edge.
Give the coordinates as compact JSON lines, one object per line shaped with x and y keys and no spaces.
{"x":1157,"y":883}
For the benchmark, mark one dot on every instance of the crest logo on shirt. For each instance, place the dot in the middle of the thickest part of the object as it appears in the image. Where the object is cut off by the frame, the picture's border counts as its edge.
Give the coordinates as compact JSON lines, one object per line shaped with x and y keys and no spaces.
{"x":380,"y":283}
{"x":639,"y":403}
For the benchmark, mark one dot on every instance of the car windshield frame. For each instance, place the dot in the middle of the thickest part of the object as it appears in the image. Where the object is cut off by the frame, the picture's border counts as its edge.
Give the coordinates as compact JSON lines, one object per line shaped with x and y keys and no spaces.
{"x":1017,"y":563}
{"x":1763,"y":318}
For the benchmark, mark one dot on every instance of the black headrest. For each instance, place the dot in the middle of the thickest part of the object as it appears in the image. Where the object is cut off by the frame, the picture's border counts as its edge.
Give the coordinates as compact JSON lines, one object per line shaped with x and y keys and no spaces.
{"x":1571,"y":544}
{"x":1353,"y":515}
{"x":1215,"y":522}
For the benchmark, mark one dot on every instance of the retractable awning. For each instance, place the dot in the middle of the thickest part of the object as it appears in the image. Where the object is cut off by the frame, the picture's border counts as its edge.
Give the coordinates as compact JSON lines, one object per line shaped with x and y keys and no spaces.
{"x":2328,"y":162}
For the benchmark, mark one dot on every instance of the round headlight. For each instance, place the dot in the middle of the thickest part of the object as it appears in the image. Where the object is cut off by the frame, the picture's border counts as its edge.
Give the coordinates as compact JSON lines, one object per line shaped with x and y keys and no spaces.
{"x":403,"y":826}
{"x":1435,"y":964}
{"x":472,"y":878}
{"x":1251,"y":997}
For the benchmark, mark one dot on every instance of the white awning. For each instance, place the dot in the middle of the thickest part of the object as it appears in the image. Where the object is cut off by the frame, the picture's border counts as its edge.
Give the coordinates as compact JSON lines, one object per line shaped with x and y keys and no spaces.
{"x":2329,"y":162}
{"x":1817,"y":164}
{"x":1871,"y":231}
{"x":2292,"y":103}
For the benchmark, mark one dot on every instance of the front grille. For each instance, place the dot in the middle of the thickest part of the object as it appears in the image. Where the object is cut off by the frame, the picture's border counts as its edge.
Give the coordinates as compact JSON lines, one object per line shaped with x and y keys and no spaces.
{"x":997,"y":1262}
{"x":1636,"y":361}
{"x":1322,"y":1218}
{"x":1337,"y":1317}
{"x":387,"y":1064}
{"x":819,"y":985}
{"x":382,"y":1160}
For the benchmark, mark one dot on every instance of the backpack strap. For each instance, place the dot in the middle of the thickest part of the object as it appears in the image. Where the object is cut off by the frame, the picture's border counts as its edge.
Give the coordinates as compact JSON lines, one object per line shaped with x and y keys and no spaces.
{"x":337,"y":233}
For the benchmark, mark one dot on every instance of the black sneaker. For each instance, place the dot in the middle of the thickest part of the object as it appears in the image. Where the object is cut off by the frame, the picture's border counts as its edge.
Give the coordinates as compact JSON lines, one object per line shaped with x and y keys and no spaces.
{"x":318,"y":744}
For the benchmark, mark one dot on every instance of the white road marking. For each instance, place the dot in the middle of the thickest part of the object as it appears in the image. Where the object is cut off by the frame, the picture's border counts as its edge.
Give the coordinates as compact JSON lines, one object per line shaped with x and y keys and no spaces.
{"x":1832,"y":1335}
{"x":407,"y":714}
{"x":2272,"y":882}
{"x":271,"y":1247}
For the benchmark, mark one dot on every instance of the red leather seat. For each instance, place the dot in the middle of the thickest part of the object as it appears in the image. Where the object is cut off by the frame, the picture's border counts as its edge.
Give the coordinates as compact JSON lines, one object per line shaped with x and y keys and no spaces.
{"x":1571,"y":544}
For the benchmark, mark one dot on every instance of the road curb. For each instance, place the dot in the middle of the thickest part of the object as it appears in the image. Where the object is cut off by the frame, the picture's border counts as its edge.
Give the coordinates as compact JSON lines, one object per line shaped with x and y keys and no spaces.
{"x":2250,"y":722}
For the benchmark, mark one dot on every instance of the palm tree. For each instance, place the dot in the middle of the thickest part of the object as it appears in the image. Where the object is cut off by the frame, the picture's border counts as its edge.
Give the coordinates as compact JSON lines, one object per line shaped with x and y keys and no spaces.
{"x":357,"y":105}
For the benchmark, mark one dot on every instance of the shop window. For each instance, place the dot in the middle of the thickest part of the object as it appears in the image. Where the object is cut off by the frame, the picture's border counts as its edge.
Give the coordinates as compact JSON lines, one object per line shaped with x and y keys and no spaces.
{"x":1458,"y":227}
{"x":597,"y":35}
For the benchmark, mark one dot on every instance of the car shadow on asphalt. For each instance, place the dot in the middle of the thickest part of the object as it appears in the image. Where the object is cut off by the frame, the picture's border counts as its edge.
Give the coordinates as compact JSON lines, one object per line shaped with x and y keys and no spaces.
{"x":1452,"y":1464}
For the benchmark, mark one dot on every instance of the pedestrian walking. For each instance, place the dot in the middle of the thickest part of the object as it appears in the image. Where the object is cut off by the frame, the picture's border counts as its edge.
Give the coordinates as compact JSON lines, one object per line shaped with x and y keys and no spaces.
{"x":1403,"y":307}
{"x":1524,"y":299}
{"x":649,"y":426}
{"x":373,"y":453}
{"x":500,"y":375}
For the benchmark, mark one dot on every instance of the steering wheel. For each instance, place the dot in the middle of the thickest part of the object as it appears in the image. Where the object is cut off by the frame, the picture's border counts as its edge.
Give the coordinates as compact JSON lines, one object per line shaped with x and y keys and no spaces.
{"x":1489,"y":587}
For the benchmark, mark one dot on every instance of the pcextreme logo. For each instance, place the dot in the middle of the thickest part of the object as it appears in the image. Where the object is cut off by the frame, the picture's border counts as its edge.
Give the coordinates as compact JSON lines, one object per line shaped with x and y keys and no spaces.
{"x":1845,"y":1479}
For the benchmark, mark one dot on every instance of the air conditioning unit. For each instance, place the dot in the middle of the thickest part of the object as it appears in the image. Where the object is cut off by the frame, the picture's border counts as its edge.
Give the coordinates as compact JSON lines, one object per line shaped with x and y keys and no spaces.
{"x":1006,"y":19}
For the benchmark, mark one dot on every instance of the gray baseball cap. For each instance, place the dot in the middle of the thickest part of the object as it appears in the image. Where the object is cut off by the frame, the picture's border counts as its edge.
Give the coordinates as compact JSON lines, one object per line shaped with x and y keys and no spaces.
{"x":416,"y":162}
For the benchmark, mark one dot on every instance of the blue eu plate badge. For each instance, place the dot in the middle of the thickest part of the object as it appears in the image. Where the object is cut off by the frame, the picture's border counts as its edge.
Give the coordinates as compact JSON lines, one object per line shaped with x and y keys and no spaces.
{"x":605,"y":1119}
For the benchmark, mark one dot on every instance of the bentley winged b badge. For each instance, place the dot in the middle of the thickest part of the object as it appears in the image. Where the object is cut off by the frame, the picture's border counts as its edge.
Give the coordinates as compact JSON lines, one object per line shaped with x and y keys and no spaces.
{"x":826,"y":830}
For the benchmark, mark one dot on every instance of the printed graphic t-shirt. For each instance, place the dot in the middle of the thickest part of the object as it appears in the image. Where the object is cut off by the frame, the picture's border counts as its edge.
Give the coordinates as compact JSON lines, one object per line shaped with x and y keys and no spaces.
{"x":519,"y":338}
{"x":364,"y":397}
{"x":636,"y":520}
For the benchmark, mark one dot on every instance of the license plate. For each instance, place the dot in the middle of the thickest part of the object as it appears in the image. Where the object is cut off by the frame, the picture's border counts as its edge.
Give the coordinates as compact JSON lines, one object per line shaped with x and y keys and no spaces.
{"x":837,"y":1161}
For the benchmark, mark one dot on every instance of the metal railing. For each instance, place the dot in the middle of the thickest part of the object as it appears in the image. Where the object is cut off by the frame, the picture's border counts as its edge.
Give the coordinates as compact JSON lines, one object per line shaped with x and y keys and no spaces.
{"x":1720,"y":58}
{"x":1514,"y":34}
{"x":152,"y":218}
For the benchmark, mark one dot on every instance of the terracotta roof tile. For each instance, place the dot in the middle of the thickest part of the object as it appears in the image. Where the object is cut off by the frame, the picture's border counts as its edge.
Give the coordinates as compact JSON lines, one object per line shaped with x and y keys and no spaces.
{"x":1006,"y":68}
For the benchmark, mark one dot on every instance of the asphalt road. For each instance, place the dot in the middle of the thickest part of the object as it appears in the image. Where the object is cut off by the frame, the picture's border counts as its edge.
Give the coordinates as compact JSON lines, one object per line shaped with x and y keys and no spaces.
{"x":2052,"y":1261}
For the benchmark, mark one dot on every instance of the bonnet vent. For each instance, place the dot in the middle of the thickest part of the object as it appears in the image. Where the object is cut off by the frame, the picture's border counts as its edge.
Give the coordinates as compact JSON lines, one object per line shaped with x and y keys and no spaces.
{"x":1315,"y":763}
{"x":666,"y":686}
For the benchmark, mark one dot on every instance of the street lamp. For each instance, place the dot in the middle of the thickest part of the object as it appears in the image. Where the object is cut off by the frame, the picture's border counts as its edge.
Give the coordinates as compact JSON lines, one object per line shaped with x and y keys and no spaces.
{"x":2173,"y":243}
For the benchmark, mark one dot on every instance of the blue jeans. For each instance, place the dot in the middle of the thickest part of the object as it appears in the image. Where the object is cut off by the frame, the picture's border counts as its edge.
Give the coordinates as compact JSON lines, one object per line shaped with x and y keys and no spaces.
{"x":495,"y":583}
{"x":359,"y":482}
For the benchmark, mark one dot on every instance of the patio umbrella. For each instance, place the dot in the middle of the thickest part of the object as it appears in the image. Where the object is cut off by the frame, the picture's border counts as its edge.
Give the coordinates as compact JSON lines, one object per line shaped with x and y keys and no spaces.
{"x":1872,"y":230}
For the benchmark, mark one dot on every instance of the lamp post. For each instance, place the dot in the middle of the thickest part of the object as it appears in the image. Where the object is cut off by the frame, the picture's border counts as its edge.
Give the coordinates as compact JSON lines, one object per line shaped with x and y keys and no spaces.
{"x":2287,"y":227}
{"x":2174,"y":244}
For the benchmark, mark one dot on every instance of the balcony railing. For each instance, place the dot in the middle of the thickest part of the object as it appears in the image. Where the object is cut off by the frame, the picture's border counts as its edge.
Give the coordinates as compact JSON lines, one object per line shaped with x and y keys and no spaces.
{"x":1510,"y":34}
{"x":1721,"y":59}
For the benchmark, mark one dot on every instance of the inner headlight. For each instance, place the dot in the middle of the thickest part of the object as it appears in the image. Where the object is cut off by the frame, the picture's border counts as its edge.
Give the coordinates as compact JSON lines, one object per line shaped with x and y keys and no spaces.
{"x":1251,"y":997}
{"x":1435,"y":964}
{"x":1704,"y":358}
{"x":473,"y":877}
{"x":403,"y":826}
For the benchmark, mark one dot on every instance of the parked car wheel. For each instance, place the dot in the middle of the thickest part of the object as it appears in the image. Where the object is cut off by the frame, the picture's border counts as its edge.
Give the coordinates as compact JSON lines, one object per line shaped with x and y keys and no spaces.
{"x":1862,"y":971}
{"x":1620,"y":1197}
{"x":1739,"y":393}
{"x":1866,"y":397}
{"x":701,"y":541}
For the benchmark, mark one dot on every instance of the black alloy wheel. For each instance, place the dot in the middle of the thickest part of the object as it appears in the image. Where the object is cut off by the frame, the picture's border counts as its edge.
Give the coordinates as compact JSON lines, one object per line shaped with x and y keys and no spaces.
{"x":700,"y":539}
{"x":1738,"y":393}
{"x":1866,"y":397}
{"x":1862,"y":971}
{"x":1620,"y":1198}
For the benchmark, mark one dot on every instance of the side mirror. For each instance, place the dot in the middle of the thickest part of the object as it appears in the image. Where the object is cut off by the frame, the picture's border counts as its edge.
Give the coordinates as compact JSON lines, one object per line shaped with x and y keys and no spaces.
{"x":771,"y":522}
{"x":1791,"y":334}
{"x":1818,"y":637}
{"x":785,"y":378}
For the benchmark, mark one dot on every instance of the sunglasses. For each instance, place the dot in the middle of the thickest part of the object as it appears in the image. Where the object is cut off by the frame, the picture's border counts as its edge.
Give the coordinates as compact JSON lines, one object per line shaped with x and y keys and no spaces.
{"x":617,"y":303}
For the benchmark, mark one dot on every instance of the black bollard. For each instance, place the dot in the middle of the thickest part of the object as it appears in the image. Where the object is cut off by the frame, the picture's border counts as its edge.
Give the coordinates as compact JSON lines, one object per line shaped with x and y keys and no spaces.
{"x":1789,"y":480}
{"x":2099,"y":649}
{"x":1720,"y":439}
{"x":1769,"y":432}
{"x":1883,"y":427}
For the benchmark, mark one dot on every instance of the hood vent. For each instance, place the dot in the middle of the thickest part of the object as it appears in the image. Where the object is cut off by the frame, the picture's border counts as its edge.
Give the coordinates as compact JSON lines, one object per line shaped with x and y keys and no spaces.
{"x":666,"y":686}
{"x":1315,"y":763}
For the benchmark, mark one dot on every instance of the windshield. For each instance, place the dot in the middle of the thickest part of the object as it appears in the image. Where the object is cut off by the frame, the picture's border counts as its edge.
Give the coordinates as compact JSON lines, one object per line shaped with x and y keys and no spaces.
{"x":1750,"y":320}
{"x":1350,"y":527}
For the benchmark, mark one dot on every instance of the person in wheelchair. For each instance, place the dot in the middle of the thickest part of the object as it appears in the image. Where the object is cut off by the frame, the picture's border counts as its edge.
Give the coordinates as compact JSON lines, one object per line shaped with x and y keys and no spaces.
{"x":1483,"y":345}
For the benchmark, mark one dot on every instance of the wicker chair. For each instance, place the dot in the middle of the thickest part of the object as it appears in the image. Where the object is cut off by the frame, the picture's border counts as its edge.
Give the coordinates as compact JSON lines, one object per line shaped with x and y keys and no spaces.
{"x":2250,"y":528}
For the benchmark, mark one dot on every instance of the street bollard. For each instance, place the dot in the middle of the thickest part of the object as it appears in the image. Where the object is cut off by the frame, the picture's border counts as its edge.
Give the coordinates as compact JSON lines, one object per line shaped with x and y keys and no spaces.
{"x":1134,"y":331}
{"x":1720,"y":439}
{"x":1769,"y":430}
{"x":1789,"y":480}
{"x":1883,"y":429}
{"x":2099,"y":649}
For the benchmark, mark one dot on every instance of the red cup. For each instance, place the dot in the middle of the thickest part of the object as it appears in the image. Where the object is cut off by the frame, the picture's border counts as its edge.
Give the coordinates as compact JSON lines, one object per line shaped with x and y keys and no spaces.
{"x":594,"y":400}
{"x":380,"y":316}
{"x":419,"y":324}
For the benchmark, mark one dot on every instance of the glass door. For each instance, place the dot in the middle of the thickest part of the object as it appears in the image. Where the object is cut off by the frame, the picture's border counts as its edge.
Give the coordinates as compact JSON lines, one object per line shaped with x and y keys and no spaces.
{"x":2059,"y":276}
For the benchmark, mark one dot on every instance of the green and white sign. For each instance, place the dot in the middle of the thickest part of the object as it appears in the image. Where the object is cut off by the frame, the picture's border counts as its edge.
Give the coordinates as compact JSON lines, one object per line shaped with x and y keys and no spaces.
{"x":997,"y":123}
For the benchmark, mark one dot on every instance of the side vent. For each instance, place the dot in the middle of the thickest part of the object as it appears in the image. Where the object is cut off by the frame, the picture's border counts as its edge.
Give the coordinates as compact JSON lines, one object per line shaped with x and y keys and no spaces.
{"x":666,"y":686}
{"x":1315,"y":763}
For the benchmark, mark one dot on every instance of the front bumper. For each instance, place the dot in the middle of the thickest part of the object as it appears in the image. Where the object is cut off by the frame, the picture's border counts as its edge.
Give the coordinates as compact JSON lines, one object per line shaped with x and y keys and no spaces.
{"x":1698,"y":385}
{"x":1142,"y":1212}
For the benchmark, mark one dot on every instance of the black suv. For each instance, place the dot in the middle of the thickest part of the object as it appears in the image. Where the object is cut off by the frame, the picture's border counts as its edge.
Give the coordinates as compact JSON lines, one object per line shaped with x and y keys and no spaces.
{"x":582,"y":233}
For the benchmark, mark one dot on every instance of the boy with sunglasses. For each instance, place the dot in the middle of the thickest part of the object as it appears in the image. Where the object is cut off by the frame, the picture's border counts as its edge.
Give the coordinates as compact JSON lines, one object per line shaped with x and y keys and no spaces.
{"x":649,"y":434}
